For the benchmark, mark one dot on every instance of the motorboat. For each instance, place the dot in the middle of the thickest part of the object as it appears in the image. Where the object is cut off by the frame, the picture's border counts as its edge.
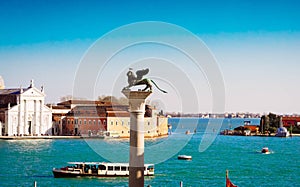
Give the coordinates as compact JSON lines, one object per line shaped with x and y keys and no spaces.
{"x":184,"y":157}
{"x":265,"y":150}
{"x":282,"y":132}
{"x":98,"y":169}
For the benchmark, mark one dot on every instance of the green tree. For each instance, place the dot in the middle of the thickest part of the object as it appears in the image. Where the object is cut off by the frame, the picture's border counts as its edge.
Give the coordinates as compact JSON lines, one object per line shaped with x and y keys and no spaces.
{"x":264,"y":123}
{"x":274,"y":120}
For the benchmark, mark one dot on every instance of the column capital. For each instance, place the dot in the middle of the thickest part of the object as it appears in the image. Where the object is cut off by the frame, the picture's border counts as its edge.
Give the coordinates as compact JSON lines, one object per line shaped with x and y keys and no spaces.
{"x":136,"y":100}
{"x":136,"y":94}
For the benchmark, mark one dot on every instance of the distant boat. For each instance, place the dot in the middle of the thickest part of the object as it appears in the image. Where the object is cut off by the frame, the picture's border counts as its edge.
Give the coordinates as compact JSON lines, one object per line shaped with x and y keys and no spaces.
{"x":282,"y":132}
{"x":184,"y":157}
{"x":265,"y":150}
{"x":98,"y":169}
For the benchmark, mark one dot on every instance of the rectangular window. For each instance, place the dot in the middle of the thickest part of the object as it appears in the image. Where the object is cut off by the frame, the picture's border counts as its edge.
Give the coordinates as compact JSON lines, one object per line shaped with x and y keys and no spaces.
{"x":94,"y":122}
{"x":76,"y":121}
{"x":111,"y":122}
{"x":80,"y":122}
{"x":117,"y":168}
{"x":99,"y":122}
{"x":110,"y":168}
{"x":123,"y":168}
{"x":90,"y":121}
{"x":85,"y":121}
{"x":116,"y":123}
{"x":102,"y":167}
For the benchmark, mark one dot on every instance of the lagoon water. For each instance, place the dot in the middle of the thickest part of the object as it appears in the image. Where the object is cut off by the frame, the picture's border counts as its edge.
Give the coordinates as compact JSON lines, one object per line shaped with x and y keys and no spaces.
{"x":24,"y":161}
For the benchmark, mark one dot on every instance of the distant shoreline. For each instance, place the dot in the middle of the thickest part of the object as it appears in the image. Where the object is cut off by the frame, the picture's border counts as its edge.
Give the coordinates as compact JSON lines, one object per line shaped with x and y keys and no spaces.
{"x":80,"y":137}
{"x":261,"y":135}
{"x":65,"y":137}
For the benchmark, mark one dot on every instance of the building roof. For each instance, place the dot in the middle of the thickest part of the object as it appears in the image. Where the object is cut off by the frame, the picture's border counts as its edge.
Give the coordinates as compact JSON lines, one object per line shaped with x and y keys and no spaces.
{"x":87,"y":102}
{"x":11,"y":91}
{"x":88,"y":111}
{"x":118,"y":114}
{"x":58,"y":107}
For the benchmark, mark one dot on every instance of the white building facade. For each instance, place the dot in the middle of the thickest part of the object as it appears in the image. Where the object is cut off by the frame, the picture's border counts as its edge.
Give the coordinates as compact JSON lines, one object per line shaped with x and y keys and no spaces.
{"x":25,"y":113}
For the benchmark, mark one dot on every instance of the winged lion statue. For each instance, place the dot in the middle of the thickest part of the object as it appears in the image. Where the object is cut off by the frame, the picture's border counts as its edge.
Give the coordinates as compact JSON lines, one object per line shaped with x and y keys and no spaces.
{"x":135,"y":79}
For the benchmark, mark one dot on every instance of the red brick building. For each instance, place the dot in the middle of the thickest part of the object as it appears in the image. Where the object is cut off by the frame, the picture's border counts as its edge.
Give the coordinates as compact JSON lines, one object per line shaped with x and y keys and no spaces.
{"x":92,"y":118}
{"x":83,"y":117}
{"x":288,"y":121}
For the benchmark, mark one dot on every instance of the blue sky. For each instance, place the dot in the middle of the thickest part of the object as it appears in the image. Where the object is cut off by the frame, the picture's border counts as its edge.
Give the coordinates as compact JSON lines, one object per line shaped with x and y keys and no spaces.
{"x":256,"y":44}
{"x":32,"y":21}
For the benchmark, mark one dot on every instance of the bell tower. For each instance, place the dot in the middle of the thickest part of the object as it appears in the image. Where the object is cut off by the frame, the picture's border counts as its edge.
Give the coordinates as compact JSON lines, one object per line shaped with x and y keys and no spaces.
{"x":2,"y":86}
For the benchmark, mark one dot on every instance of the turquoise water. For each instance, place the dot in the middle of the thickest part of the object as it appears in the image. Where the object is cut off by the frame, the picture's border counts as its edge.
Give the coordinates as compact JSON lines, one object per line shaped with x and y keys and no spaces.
{"x":23,"y":162}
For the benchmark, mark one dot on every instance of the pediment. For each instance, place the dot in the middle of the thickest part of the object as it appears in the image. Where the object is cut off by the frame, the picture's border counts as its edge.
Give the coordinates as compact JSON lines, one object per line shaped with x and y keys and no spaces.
{"x":33,"y":92}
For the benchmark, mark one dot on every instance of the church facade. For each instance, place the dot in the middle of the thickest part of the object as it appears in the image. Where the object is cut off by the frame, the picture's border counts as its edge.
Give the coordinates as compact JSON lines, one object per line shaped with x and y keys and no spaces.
{"x":23,"y":112}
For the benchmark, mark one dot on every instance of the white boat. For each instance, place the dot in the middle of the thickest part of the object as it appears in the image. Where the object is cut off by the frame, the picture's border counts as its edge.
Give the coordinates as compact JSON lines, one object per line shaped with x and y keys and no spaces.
{"x":184,"y":157}
{"x":265,"y":150}
{"x":98,"y":169}
{"x":282,"y":132}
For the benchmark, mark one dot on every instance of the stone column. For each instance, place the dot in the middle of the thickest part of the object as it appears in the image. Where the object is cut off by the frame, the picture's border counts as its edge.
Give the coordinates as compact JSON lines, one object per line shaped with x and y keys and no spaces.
{"x":41,"y":118}
{"x":136,"y":155}
{"x":25,"y":127}
{"x":20,"y":121}
{"x":34,"y":121}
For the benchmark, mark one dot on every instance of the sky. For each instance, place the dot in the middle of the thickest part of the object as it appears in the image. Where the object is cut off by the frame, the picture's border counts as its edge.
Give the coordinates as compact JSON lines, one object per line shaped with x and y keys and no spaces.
{"x":255,"y":45}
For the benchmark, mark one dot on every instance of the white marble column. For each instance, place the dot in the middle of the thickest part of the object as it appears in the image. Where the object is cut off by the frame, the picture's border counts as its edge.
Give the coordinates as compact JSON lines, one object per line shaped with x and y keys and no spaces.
{"x":41,"y":118}
{"x":25,"y":128}
{"x":136,"y":155}
{"x":19,"y":125}
{"x":35,"y":118}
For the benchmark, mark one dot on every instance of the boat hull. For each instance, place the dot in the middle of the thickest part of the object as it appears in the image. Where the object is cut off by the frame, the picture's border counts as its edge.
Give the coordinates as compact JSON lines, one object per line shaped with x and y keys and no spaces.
{"x":184,"y":157}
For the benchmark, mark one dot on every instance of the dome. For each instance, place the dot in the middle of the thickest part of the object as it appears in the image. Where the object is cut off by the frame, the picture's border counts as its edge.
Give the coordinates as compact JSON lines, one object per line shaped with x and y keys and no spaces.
{"x":1,"y":83}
